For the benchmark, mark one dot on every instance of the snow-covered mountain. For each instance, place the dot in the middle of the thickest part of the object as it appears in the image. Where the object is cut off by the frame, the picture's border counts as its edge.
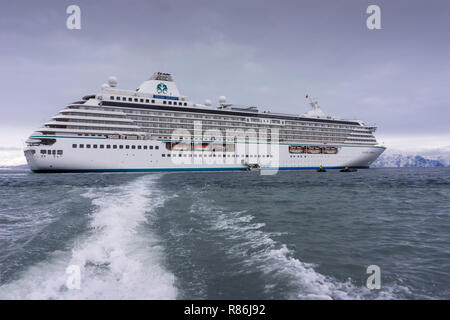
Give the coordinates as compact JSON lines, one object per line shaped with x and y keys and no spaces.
{"x":19,"y":167}
{"x":426,"y":158}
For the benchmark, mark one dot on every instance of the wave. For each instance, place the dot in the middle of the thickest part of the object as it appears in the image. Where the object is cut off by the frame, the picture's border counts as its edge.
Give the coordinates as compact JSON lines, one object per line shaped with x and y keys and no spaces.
{"x":119,"y":258}
{"x":285,"y":275}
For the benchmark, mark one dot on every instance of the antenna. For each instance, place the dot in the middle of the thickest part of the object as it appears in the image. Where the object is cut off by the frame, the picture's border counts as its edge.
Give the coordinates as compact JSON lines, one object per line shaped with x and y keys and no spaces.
{"x":313,"y":102}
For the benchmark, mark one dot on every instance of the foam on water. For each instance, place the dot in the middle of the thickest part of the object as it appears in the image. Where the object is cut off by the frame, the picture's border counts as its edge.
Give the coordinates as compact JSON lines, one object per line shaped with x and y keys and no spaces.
{"x":119,"y":258}
{"x":276,"y":261}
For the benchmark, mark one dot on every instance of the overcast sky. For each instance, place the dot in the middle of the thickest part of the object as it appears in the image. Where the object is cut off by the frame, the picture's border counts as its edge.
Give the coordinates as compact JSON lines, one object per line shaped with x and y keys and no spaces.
{"x":264,"y":53}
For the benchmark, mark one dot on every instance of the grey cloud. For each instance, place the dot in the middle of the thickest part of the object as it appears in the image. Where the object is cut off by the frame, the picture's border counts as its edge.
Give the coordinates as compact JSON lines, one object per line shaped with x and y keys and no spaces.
{"x":261,"y":53}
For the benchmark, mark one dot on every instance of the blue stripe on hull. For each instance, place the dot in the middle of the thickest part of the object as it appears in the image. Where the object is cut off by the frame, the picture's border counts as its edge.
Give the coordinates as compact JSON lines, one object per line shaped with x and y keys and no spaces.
{"x":183,"y":169}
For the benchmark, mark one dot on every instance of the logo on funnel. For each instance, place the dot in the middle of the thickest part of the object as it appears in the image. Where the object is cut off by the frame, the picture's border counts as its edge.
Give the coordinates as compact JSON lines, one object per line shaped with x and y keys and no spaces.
{"x":161,"y":88}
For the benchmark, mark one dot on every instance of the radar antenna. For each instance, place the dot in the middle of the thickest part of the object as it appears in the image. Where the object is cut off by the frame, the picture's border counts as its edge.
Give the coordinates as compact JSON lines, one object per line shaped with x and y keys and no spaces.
{"x":316,"y":110}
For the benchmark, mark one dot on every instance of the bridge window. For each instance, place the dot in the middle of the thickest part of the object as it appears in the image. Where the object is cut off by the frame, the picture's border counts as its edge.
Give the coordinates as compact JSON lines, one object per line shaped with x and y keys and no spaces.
{"x":73,"y":146}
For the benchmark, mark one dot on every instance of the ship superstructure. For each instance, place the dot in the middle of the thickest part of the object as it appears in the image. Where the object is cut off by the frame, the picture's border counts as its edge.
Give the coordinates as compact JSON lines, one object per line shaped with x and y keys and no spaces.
{"x":154,"y":128}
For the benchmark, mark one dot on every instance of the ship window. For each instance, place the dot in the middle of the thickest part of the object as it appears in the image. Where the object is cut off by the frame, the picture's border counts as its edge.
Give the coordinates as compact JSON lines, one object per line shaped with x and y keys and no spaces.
{"x":60,"y":152}
{"x":151,"y":147}
{"x":139,"y":147}
{"x":81,"y":145}
{"x":124,"y":99}
{"x":43,"y":152}
{"x":156,"y":147}
{"x":73,"y":146}
{"x":88,"y":146}
{"x":163,"y":155}
{"x":170,"y":102}
{"x":121,"y":147}
{"x":133,"y":147}
{"x":115,"y":146}
{"x":153,"y":101}
{"x":112,"y":97}
{"x":146,"y":101}
{"x":129,"y":99}
{"x":142,"y":100}
{"x":145,"y":147}
{"x":136,"y":100}
{"x":127,"y":147}
{"x":185,"y":104}
{"x":108,"y":146}
{"x":95,"y":146}
{"x":102,"y":146}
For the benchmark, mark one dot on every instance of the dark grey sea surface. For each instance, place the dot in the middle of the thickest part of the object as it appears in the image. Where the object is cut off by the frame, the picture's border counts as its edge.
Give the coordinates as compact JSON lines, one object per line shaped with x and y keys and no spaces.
{"x":240,"y":235}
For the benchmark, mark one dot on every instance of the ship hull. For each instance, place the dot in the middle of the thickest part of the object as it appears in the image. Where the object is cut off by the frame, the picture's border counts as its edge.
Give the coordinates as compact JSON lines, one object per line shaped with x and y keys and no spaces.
{"x":62,"y":156}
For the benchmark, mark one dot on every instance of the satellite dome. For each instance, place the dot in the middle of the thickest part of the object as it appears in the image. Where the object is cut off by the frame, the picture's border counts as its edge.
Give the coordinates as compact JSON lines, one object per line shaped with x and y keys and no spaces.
{"x":112,"y":81}
{"x":222,"y":99}
{"x":105,"y":86}
{"x":208,"y":102}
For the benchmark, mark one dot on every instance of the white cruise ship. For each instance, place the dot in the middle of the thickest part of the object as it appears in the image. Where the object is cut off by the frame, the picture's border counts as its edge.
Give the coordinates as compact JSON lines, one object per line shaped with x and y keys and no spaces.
{"x":154,"y":128}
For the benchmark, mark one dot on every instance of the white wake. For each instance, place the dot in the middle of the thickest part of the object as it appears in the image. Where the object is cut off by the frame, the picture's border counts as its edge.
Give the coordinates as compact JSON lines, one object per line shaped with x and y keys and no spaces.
{"x":258,"y":251}
{"x":120,"y":258}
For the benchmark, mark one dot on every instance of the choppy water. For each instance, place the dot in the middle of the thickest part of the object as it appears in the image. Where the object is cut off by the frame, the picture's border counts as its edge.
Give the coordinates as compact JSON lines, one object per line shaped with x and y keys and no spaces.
{"x":295,"y":235}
